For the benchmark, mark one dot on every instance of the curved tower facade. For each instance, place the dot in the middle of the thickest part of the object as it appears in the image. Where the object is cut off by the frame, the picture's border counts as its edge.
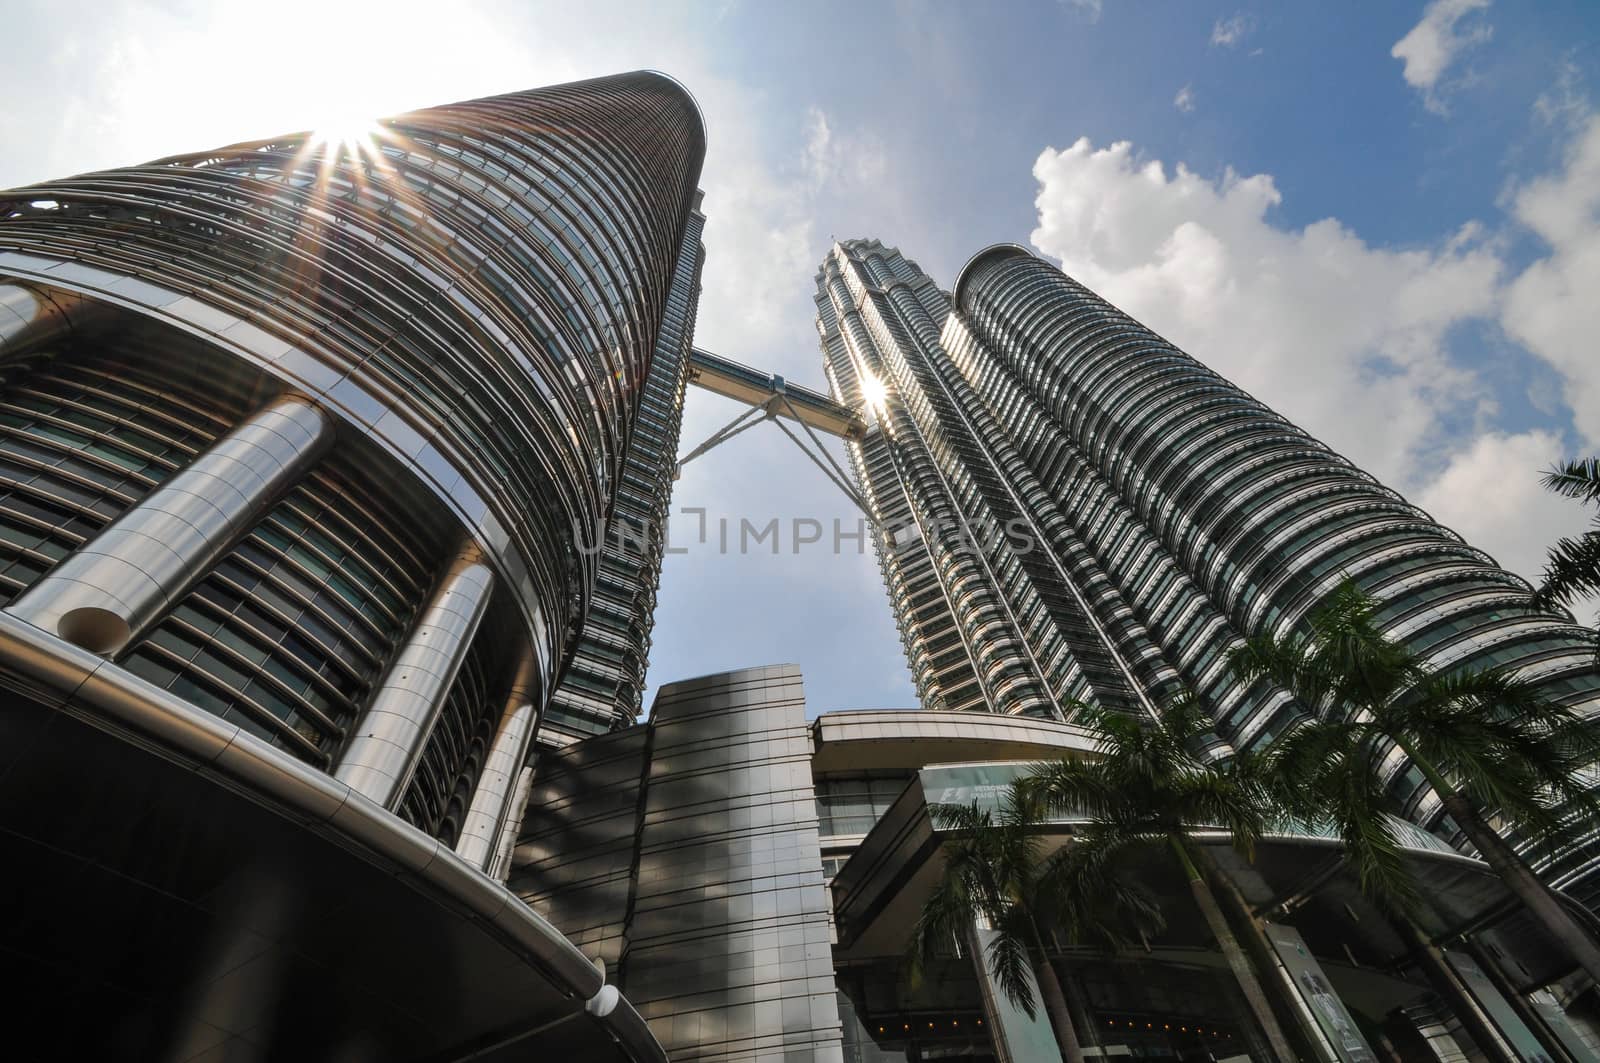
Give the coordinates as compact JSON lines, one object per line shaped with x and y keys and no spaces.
{"x":301,"y":442}
{"x":1144,"y":515}
{"x":603,"y":685}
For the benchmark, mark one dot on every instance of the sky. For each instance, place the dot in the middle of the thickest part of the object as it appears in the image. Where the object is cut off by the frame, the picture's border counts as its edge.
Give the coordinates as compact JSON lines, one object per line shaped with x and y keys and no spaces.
{"x":1382,"y":219}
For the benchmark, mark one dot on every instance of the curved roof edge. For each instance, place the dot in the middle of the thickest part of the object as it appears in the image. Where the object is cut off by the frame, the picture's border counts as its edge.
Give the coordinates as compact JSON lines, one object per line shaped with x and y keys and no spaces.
{"x":992,"y":251}
{"x":69,"y":679}
{"x":842,"y":741}
{"x":699,"y":112}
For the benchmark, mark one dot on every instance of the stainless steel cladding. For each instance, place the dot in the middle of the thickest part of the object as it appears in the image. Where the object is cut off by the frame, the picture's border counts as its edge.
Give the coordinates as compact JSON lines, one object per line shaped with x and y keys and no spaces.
{"x":300,"y":443}
{"x":383,"y":752}
{"x":478,"y":288}
{"x":1075,"y":511}
{"x":493,"y":799}
{"x":125,"y":579}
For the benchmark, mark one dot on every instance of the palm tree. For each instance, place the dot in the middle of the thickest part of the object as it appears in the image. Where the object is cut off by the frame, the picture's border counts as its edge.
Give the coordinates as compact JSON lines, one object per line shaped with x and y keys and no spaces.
{"x":1323,"y":775}
{"x":1148,"y":789}
{"x":1573,"y":570}
{"x":996,"y":870}
{"x":1486,"y":742}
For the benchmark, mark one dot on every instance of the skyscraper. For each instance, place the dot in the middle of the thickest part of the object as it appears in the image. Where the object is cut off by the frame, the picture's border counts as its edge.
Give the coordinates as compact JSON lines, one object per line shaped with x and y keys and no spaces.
{"x":301,"y":444}
{"x":1072,"y":510}
{"x":603,"y":685}
{"x":332,"y":480}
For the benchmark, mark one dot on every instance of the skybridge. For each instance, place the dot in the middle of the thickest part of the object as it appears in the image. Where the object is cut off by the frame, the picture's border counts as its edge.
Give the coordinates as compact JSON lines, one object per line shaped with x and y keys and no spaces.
{"x":768,"y":397}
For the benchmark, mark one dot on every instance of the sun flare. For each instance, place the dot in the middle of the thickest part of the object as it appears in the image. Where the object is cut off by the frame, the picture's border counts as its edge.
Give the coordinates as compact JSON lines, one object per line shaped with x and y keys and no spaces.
{"x":874,"y":392}
{"x":349,"y":130}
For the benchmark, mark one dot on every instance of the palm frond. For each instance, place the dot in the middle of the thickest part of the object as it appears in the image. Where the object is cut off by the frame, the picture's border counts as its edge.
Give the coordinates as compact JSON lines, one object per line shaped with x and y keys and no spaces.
{"x":1010,"y":965}
{"x":1015,"y":845}
{"x":1571,"y":572}
{"x":1090,"y":892}
{"x":974,"y":856}
{"x":1289,"y":662}
{"x":1185,"y":719}
{"x":1506,"y":744}
{"x":1223,"y":799}
{"x":968,"y":818}
{"x":1578,"y":479}
{"x":1369,"y":837}
{"x":1293,"y":770}
{"x":941,"y":922}
{"x":1073,"y":786}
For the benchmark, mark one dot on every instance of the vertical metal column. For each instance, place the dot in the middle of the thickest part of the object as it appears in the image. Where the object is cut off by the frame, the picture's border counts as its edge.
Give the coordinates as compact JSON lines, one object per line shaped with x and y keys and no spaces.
{"x":500,"y":869}
{"x":491,"y":801}
{"x":126,"y":578}
{"x":387,"y":744}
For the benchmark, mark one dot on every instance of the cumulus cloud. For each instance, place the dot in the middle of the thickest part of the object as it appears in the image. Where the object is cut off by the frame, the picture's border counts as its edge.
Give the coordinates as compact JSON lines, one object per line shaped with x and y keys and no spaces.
{"x":1342,"y":337}
{"x":1184,"y":100}
{"x":1434,"y":44}
{"x":1489,"y":492}
{"x":1227,"y":32}
{"x":1351,"y":340}
{"x":1553,"y":306}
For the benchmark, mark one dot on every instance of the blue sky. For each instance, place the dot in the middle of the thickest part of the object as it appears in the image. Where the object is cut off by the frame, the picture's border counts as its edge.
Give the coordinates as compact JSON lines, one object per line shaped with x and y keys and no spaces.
{"x":1380,"y":218}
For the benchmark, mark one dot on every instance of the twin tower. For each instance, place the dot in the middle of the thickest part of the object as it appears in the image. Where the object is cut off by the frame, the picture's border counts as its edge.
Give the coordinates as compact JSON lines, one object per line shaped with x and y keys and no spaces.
{"x":306,"y":448}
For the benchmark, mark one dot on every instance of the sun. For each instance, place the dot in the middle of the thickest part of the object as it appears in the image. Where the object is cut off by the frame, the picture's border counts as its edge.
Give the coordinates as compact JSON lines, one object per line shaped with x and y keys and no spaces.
{"x":344,"y":123}
{"x":351,"y":132}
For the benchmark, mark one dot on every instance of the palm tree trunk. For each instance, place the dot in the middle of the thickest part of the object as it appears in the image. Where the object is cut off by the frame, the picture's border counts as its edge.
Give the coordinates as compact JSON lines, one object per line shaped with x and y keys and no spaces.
{"x":1055,"y":1006}
{"x":1520,"y":1004}
{"x":1387,"y":1050}
{"x":1521,"y":881}
{"x":1249,"y":984}
{"x":1078,"y":1008}
{"x":1266,"y":958}
{"x":1436,"y":969}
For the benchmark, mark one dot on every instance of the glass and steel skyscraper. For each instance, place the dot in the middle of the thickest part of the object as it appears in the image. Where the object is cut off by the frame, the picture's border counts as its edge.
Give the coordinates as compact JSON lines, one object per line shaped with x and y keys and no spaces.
{"x":301,"y":445}
{"x":603,"y":684}
{"x":1072,"y":510}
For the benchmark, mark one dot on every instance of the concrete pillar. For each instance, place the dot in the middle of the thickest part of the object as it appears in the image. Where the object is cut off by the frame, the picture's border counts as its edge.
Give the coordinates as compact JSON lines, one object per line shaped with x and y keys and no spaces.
{"x":387,"y":744}
{"x":125,"y":579}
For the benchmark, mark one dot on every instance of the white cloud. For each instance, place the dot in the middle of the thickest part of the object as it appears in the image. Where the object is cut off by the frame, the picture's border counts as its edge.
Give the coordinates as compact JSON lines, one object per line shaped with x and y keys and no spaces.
{"x":1184,"y":100}
{"x":1435,"y":43}
{"x":1227,"y":32}
{"x":1089,"y":9}
{"x":1490,"y":493}
{"x":1342,"y":337}
{"x":832,"y":156}
{"x":1553,"y":306}
{"x":1351,"y":340}
{"x":1564,"y":103}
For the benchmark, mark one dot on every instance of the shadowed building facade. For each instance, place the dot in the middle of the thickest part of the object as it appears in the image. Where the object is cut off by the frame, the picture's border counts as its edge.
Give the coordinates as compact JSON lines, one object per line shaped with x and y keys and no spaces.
{"x":690,"y":854}
{"x":1075,"y":511}
{"x":683,"y":853}
{"x":300,"y":445}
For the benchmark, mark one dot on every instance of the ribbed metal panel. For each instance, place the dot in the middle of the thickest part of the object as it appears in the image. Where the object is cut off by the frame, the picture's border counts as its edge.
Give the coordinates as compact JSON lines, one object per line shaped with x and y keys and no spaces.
{"x":1166,"y":514}
{"x":1257,"y":519}
{"x":484,"y":287}
{"x":603,"y":685}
